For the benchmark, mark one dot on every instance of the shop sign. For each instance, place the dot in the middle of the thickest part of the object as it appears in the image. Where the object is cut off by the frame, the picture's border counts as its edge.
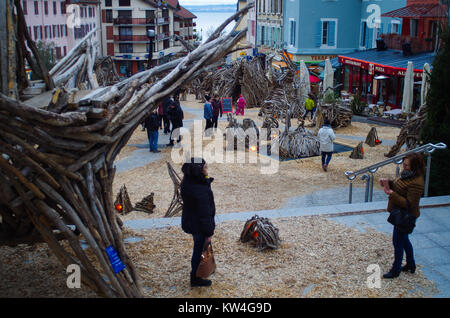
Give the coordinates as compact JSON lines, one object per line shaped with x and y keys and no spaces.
{"x":373,"y":67}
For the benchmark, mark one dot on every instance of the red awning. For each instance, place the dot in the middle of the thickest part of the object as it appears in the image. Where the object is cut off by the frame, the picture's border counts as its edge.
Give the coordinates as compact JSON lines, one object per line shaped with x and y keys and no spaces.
{"x":418,"y":11}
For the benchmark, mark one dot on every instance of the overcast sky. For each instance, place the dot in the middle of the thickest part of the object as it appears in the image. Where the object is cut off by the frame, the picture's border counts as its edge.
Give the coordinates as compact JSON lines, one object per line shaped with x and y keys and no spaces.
{"x":205,"y":2}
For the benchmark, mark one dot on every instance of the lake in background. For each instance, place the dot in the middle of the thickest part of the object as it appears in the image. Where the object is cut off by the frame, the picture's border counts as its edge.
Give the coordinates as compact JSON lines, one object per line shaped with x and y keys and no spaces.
{"x":210,"y":17}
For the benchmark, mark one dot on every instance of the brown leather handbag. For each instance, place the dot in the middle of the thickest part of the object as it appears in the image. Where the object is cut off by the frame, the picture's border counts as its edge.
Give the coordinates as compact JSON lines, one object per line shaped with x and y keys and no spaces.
{"x":208,"y":263}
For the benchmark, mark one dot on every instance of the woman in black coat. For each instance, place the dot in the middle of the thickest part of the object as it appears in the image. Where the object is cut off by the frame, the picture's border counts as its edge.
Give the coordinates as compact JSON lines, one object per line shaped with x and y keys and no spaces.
{"x":198,"y":211}
{"x":176,"y":116}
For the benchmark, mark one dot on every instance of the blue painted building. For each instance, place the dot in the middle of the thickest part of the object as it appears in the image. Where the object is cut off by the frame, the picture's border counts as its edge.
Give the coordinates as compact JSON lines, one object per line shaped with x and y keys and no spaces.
{"x":314,"y":30}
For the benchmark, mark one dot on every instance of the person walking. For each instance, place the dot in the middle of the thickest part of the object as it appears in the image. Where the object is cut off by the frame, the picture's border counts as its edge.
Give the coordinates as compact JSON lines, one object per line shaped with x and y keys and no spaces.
{"x":175,"y":115}
{"x":326,"y":137}
{"x":241,"y":103}
{"x":216,"y":110}
{"x":208,"y":115}
{"x":198,"y":212}
{"x":309,"y":106}
{"x":405,"y":192}
{"x":166,"y":105}
{"x":151,"y":123}
{"x":160,"y":115}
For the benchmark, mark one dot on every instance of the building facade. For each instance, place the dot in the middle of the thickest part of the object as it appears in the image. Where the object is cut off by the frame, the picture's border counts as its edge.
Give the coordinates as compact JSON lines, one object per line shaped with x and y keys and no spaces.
{"x":316,"y":30}
{"x":269,"y":25}
{"x":47,"y":22}
{"x":83,"y":16}
{"x":125,"y":29}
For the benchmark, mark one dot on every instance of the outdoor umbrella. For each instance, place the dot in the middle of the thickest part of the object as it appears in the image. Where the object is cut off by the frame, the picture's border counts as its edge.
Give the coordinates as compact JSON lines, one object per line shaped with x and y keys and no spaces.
{"x":425,"y":83}
{"x":408,"y":88}
{"x":328,"y":76}
{"x":305,"y":86}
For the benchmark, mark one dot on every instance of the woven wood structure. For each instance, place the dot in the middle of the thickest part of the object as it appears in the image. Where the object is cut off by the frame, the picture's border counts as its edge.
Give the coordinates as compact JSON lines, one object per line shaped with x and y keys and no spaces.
{"x":57,"y":166}
{"x":176,"y":205}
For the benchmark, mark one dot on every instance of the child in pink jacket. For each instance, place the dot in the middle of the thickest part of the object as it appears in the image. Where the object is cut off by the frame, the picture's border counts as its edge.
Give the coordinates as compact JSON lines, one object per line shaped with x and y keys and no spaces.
{"x":240,"y":105}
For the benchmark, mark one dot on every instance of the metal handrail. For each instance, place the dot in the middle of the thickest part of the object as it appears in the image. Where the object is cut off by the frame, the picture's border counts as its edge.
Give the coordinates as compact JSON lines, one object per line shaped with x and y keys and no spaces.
{"x":428,"y":149}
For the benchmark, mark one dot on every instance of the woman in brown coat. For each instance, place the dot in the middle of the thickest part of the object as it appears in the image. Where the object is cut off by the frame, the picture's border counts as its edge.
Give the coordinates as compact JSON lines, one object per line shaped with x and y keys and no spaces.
{"x":405,"y":192}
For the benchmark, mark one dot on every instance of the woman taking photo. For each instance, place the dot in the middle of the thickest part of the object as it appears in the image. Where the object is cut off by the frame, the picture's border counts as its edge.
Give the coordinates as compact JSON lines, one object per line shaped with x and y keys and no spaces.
{"x":405,"y":192}
{"x":198,"y":211}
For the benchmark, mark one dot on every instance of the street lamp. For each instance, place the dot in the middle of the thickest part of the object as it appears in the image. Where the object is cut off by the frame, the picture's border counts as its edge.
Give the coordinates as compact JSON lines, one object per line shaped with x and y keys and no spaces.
{"x":151,"y":35}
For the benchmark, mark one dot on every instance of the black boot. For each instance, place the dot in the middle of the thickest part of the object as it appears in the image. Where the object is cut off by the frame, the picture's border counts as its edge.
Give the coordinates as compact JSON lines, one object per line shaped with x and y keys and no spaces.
{"x":391,"y":274}
{"x":409,"y":268}
{"x":199,"y":282}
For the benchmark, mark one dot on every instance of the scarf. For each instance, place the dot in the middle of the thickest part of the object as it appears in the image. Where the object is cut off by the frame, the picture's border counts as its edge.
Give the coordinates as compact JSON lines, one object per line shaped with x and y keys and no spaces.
{"x":407,"y":174}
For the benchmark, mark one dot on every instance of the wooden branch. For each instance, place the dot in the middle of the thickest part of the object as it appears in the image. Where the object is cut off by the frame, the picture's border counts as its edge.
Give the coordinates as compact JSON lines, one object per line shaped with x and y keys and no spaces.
{"x":42,"y":116}
{"x":73,"y":52}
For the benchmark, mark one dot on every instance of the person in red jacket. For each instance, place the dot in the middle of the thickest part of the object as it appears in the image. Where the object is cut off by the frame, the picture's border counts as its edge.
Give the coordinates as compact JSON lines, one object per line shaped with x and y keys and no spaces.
{"x":240,"y":105}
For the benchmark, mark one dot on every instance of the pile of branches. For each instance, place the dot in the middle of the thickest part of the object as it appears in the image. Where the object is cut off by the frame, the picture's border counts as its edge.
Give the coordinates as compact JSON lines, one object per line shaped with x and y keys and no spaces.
{"x":246,"y":134}
{"x":57,"y":167}
{"x":284,"y":97}
{"x":261,"y":232}
{"x":300,"y":143}
{"x":76,"y":69}
{"x":331,"y":108}
{"x":241,"y":77}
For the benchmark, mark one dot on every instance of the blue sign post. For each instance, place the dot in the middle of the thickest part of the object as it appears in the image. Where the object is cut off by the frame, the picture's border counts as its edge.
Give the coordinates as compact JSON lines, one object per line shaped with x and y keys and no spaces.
{"x":116,"y":263}
{"x":227,"y":104}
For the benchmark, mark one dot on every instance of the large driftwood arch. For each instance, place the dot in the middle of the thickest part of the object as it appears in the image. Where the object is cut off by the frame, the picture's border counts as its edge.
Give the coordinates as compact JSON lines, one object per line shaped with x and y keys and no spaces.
{"x":57,"y":168}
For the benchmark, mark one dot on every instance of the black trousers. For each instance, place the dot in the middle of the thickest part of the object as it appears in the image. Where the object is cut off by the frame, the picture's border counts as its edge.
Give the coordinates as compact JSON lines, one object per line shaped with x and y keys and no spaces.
{"x":214,"y":121}
{"x":309,"y":111}
{"x":199,"y":242}
{"x":166,"y":124}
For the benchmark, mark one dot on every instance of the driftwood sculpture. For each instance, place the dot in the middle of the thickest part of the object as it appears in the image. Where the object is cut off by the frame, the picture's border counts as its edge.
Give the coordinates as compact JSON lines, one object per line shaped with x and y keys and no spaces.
{"x":146,"y":204}
{"x":409,"y":133}
{"x":372,"y":138}
{"x":57,"y":168}
{"x":358,"y":152}
{"x":123,"y":203}
{"x":176,"y":205}
{"x":261,"y":232}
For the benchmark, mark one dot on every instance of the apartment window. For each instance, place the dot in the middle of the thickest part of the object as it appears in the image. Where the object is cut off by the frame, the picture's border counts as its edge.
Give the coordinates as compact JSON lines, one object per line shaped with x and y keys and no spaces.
{"x":263,"y":36}
{"x":58,"y":52}
{"x":327,"y":33}
{"x":364,"y":33}
{"x":63,"y":7}
{"x":36,"y":7}
{"x":124,"y":3}
{"x":24,"y":7}
{"x":125,"y":33}
{"x":46,"y":7}
{"x":108,"y":3}
{"x":55,"y":11}
{"x":395,"y":27}
{"x":108,"y":16}
{"x":125,"y":47}
{"x":292,"y":27}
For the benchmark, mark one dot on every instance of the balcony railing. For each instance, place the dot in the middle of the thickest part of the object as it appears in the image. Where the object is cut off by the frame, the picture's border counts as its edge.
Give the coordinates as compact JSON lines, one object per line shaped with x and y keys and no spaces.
{"x":134,"y":21}
{"x":395,"y":41}
{"x":131,"y":38}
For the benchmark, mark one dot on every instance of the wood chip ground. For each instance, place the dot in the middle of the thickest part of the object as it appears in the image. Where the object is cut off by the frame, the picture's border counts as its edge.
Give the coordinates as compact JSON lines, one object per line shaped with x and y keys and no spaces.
{"x":317,"y":256}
